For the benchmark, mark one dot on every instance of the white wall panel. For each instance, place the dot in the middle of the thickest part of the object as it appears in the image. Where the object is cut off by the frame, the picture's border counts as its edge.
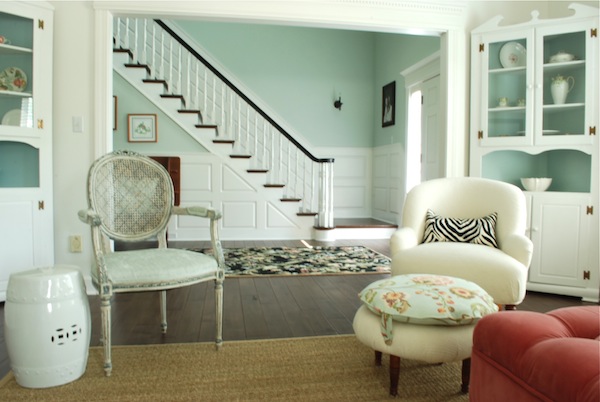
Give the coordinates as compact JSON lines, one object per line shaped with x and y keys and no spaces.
{"x":239,"y":215}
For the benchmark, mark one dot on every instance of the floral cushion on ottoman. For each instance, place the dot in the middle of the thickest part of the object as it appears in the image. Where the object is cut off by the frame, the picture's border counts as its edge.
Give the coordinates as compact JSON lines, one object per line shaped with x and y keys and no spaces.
{"x":427,"y":300}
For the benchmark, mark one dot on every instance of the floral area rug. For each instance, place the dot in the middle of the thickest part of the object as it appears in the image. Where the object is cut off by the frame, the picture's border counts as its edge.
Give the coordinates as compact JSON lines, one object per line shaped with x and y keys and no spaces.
{"x":303,"y":261}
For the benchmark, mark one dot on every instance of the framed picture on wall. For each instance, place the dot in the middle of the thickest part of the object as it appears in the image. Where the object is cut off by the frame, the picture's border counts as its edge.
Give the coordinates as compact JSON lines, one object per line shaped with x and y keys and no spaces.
{"x":114,"y":112}
{"x":388,"y":106}
{"x":142,"y":128}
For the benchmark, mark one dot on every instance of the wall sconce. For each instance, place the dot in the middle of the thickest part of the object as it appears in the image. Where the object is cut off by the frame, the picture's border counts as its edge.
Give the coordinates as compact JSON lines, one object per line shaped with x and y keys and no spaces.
{"x":338,"y":103}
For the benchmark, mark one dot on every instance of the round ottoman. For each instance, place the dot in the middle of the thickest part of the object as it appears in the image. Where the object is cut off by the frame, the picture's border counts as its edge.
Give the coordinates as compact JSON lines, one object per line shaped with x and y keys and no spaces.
{"x":47,"y":326}
{"x":429,"y":318}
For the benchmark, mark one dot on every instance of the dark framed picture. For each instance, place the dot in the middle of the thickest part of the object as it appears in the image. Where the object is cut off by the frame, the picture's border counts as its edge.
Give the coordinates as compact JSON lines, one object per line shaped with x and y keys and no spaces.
{"x":142,"y":128}
{"x":114,"y":112}
{"x":388,"y":107}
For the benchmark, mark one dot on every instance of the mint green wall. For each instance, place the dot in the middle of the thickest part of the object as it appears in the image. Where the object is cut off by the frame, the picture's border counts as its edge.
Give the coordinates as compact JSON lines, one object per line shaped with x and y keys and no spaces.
{"x":393,"y":54}
{"x":171,"y":138}
{"x":299,"y":72}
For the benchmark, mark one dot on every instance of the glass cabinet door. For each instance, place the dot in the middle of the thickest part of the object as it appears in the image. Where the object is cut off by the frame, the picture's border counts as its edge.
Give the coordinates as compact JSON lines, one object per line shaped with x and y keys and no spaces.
{"x":566,"y":64}
{"x":19,"y":140}
{"x":507,"y":89}
{"x":16,"y":71}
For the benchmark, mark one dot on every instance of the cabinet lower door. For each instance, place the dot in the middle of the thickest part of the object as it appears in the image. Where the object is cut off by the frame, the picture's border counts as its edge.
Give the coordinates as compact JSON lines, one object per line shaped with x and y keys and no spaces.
{"x":560,"y":231}
{"x":25,"y":238}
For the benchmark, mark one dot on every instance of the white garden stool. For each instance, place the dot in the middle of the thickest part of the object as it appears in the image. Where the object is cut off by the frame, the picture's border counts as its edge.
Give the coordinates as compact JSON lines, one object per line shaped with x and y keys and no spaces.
{"x":419,"y":341}
{"x":47,"y":326}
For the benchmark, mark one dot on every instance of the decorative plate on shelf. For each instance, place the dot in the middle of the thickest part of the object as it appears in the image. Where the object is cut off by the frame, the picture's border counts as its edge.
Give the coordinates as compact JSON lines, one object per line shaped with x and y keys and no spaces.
{"x":12,"y":118}
{"x":13,"y":79}
{"x":513,"y":54}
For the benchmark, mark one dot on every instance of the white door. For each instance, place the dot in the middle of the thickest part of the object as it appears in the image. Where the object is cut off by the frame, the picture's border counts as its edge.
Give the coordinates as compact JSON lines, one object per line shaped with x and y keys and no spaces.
{"x":432,"y":137}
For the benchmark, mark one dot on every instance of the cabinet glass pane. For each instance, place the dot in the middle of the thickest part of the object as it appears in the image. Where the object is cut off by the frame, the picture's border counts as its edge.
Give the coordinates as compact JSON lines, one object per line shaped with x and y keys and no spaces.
{"x":507,"y":88}
{"x":19,"y":165}
{"x":564,"y":84}
{"x":16,"y":71}
{"x":570,"y":170}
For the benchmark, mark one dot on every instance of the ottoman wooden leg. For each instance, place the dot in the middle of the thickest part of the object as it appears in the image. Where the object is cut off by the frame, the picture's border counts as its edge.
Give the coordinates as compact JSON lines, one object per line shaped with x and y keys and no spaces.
{"x":378,"y":358}
{"x":394,"y":374}
{"x":466,"y":375}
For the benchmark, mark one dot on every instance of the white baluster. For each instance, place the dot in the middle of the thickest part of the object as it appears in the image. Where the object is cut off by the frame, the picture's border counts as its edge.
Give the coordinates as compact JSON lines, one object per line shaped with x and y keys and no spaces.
{"x":145,"y":38}
{"x":171,"y":64}
{"x":188,"y":86}
{"x":179,"y":72}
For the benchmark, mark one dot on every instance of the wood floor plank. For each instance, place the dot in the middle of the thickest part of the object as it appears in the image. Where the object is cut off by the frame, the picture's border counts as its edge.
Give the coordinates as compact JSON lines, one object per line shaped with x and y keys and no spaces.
{"x":254,"y":320}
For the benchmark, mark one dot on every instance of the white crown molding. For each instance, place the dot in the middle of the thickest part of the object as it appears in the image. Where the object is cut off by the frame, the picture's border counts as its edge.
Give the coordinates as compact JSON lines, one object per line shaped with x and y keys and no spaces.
{"x":417,"y":17}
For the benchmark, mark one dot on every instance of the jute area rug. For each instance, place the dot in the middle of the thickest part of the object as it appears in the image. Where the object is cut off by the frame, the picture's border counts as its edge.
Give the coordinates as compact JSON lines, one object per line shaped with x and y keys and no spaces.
{"x":332,"y":368}
{"x":302,"y":260}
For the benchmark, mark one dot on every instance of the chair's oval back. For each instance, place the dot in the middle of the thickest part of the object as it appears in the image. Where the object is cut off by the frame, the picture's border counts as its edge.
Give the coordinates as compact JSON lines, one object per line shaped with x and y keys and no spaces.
{"x":132,"y":193}
{"x":467,"y":197}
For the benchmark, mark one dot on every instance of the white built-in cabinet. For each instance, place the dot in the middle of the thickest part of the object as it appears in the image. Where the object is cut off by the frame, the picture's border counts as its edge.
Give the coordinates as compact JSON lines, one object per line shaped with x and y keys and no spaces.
{"x":521,"y":126}
{"x":26,"y":207}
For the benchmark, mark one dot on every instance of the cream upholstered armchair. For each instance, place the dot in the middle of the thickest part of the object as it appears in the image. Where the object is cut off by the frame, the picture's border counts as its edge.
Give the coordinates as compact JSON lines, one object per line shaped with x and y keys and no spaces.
{"x":130,"y":198}
{"x":475,"y":230}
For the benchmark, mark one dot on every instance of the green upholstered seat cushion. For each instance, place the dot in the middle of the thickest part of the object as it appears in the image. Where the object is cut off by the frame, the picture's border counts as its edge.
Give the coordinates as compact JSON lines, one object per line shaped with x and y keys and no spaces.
{"x":156,"y":268}
{"x":426,"y":300}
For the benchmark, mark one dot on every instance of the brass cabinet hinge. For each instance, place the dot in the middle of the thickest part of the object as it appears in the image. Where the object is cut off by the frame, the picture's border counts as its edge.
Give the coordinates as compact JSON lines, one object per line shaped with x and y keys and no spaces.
{"x":589,"y":210}
{"x":41,"y":24}
{"x":481,"y":47}
{"x":480,"y":135}
{"x":40,"y":123}
{"x":41,"y":205}
{"x":586,"y":275}
{"x":594,"y":32}
{"x":593,"y":130}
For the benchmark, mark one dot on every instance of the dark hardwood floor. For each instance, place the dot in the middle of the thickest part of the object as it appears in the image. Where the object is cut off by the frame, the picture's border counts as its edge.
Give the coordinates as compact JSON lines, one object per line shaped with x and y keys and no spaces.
{"x":254,"y":308}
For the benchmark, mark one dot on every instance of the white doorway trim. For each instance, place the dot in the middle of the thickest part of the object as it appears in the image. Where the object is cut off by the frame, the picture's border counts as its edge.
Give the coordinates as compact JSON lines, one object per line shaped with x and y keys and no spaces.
{"x":414,"y":77}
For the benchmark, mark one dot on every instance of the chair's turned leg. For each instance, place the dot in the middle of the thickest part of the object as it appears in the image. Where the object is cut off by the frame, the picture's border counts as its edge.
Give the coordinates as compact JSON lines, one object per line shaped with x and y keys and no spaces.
{"x":466,"y":375}
{"x":378,"y":358}
{"x":105,"y":314}
{"x":219,"y":312}
{"x":163,"y":311}
{"x":394,"y":374}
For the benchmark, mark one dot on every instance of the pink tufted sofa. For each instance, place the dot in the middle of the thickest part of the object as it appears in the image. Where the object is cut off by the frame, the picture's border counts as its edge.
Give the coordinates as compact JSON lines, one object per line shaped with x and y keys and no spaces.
{"x":527,"y":356}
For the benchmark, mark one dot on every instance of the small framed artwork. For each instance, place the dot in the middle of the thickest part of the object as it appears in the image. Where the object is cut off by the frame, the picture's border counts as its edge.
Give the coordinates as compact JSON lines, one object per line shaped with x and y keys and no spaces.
{"x":114,"y":112}
{"x":142,"y":128}
{"x":388,"y":107}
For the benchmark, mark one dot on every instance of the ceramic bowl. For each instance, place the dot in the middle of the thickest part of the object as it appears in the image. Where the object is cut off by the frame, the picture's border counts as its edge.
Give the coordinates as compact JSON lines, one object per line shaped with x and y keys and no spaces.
{"x":536,"y":183}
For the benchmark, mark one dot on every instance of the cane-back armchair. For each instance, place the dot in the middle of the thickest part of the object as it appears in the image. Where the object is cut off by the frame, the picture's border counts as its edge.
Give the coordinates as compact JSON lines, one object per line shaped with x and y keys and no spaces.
{"x":130,"y":199}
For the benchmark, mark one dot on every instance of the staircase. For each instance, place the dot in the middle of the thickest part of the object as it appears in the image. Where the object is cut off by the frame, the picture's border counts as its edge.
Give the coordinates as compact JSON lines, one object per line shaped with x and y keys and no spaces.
{"x":251,"y":149}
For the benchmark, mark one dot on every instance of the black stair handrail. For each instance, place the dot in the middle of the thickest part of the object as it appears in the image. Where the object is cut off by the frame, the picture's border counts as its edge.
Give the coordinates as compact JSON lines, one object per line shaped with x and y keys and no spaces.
{"x":242,"y":95}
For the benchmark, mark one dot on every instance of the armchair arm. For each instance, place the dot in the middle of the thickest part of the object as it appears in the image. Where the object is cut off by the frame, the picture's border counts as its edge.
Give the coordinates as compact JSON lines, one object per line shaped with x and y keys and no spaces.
{"x":403,"y":239}
{"x":519,"y":247}
{"x":198,"y":211}
{"x":90,"y":217}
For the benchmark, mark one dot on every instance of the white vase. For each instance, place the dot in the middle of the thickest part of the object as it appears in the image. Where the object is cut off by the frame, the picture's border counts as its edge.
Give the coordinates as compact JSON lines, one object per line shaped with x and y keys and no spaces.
{"x":560,"y":87}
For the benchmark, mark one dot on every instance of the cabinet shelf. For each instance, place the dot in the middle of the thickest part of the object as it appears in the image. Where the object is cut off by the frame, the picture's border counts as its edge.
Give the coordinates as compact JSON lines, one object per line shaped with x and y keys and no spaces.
{"x":10,"y":49}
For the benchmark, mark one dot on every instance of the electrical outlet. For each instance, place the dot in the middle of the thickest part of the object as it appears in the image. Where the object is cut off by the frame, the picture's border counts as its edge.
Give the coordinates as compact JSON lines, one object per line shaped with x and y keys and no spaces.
{"x":75,"y":244}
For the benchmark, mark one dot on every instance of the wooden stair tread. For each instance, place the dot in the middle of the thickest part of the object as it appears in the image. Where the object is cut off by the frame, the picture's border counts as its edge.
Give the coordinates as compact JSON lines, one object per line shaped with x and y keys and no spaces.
{"x":257,"y":170}
{"x":223,"y":141}
{"x":234,"y":156}
{"x":290,"y":199}
{"x":274,"y":185}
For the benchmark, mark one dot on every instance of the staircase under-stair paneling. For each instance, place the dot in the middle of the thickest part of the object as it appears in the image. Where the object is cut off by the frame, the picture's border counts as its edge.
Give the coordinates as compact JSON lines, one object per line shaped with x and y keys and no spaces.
{"x":250,"y":211}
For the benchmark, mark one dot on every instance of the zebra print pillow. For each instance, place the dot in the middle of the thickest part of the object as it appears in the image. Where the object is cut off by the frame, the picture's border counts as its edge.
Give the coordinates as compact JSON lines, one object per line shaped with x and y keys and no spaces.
{"x":477,"y":231}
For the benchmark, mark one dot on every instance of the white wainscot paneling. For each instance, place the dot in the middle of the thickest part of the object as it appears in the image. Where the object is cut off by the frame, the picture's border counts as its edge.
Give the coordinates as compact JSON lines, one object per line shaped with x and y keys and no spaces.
{"x":196,"y":176}
{"x":388,"y":182}
{"x":277,"y":218}
{"x":351,"y":181}
{"x":239,"y":215}
{"x":233,"y":181}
